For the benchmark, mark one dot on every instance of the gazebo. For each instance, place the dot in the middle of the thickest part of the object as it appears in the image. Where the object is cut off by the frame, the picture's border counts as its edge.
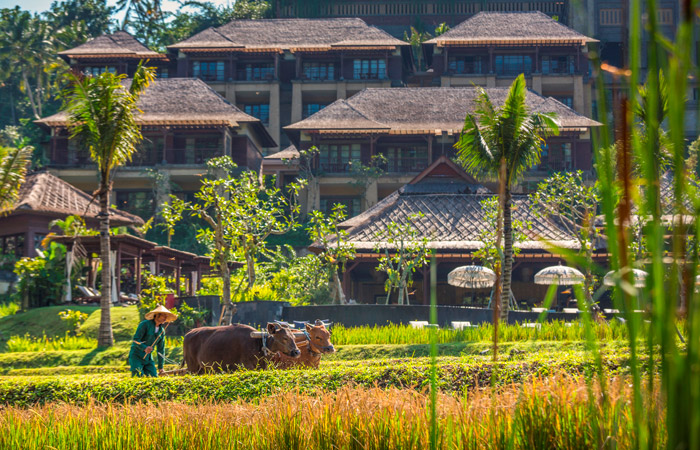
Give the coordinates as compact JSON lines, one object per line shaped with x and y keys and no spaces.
{"x":132,"y":253}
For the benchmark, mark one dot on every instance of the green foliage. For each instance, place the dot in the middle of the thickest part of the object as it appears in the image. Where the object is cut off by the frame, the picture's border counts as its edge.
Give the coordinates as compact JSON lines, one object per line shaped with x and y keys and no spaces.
{"x":28,"y":343}
{"x":416,"y":39}
{"x":13,"y":168}
{"x":42,"y":279}
{"x":75,"y":318}
{"x":489,"y":254}
{"x":9,"y":308}
{"x":153,"y":294}
{"x":404,"y":252}
{"x":73,"y":226}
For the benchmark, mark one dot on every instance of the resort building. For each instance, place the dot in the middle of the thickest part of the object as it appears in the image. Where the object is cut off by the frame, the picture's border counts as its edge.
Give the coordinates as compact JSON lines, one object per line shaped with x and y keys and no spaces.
{"x":185,"y":123}
{"x":412,"y":128}
{"x":282,"y":71}
{"x":482,"y":51}
{"x":42,"y":199}
{"x":453,"y":222}
{"x":119,"y":53}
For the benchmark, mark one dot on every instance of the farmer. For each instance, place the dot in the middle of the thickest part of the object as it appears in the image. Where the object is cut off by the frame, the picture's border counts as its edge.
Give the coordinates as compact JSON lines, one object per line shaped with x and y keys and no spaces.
{"x":150,"y":335}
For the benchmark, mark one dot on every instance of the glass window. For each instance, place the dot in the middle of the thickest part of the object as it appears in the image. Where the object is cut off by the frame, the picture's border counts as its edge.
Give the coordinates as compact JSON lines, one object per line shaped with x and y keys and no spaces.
{"x":261,"y":111}
{"x":567,"y":100}
{"x":369,"y":69}
{"x":334,"y":158}
{"x":256,"y":72}
{"x":208,"y":70}
{"x":12,"y":245}
{"x":98,"y":70}
{"x":319,"y":71}
{"x":408,"y":158}
{"x":466,"y":64}
{"x":312,"y":108}
{"x":558,"y":64}
{"x":513,"y":64}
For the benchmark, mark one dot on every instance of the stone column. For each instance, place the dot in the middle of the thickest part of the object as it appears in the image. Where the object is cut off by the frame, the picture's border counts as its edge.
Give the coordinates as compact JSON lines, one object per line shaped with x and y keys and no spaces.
{"x":274,"y":126}
{"x":371,"y":195}
{"x":341,"y":90}
{"x":537,"y":83}
{"x":297,"y":105}
{"x":579,"y":105}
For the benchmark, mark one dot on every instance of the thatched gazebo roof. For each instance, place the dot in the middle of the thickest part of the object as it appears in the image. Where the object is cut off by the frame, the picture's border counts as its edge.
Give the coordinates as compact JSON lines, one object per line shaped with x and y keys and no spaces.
{"x":45,"y":194}
{"x":119,"y":44}
{"x":277,"y":35}
{"x":510,"y":28}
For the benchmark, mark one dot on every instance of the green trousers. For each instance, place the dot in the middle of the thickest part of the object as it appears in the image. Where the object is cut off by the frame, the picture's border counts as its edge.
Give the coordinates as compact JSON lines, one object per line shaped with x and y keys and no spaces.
{"x":142,"y":367}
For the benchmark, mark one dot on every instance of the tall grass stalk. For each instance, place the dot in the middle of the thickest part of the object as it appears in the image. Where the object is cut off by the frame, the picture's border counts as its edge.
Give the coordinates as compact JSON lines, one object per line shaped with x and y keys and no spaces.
{"x":433,"y":353}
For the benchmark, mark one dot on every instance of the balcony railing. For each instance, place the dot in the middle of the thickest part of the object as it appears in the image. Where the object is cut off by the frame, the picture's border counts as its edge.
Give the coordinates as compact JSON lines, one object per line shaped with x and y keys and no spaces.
{"x":174,"y":156}
{"x":407,"y":165}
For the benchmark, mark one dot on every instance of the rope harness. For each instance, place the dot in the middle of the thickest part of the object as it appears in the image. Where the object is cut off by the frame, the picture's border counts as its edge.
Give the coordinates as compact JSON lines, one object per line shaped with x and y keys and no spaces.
{"x":265,"y":338}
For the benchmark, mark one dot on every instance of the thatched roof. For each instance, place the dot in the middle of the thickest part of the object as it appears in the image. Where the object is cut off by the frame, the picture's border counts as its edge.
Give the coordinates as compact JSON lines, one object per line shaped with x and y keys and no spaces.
{"x":507,"y":28}
{"x":290,"y":34}
{"x":45,"y":194}
{"x":119,"y":44}
{"x":452,"y":220}
{"x":183,"y":101}
{"x":423,"y":111}
{"x":290,"y":152}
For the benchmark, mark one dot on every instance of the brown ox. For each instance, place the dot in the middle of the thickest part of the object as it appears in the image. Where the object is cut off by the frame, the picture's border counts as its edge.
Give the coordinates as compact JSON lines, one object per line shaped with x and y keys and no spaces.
{"x":231,"y":347}
{"x":312,"y":345}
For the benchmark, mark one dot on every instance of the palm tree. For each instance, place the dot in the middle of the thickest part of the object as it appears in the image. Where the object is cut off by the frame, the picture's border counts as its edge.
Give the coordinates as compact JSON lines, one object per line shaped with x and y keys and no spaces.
{"x":13,"y":167}
{"x":102,"y":114}
{"x":504,"y":143}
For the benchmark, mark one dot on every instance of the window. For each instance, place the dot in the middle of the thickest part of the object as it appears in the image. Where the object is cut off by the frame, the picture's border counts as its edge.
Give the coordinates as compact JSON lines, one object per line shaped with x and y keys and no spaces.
{"x":312,"y":108}
{"x":262,"y":112}
{"x":335,"y":158}
{"x":12,"y":245}
{"x":208,"y":70}
{"x":513,"y":64}
{"x":567,"y":100}
{"x":319,"y":71}
{"x":406,"y":158}
{"x":369,"y":69}
{"x":256,"y":72}
{"x":97,"y":71}
{"x":38,"y":239}
{"x":352,"y":205}
{"x":466,"y":64}
{"x":558,"y":64}
{"x":162,"y":73}
{"x":610,"y":17}
{"x":140,"y":203}
{"x":664,"y":16}
{"x":195,"y":149}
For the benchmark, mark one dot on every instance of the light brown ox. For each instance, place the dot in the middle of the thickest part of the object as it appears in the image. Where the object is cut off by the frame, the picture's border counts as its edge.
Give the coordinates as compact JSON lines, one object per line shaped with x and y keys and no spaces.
{"x":312,"y":348}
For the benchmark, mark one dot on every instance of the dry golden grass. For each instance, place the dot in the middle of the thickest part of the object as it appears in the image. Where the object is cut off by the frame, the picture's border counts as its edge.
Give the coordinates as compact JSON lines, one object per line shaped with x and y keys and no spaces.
{"x":556,"y":412}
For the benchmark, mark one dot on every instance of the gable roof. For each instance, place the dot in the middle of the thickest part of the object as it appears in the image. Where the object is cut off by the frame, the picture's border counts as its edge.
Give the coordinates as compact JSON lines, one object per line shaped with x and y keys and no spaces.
{"x":183,"y":101}
{"x":44,"y":193}
{"x":531,"y":27}
{"x":290,"y":34}
{"x":423,"y":111}
{"x":120,"y":44}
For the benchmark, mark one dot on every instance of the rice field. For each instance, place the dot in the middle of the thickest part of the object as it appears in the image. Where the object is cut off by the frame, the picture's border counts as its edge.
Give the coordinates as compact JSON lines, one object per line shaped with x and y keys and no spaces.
{"x":545,"y":413}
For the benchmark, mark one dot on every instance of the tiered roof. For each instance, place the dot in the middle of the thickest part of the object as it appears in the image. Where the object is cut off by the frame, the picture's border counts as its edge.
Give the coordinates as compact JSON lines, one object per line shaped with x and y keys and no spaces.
{"x":45,"y":194}
{"x":183,"y":101}
{"x":510,"y":28}
{"x":119,"y":44}
{"x":290,"y":34}
{"x":422,"y":111}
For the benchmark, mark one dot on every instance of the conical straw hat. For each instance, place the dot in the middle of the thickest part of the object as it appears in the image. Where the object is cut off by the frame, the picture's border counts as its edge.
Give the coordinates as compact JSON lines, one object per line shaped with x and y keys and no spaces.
{"x":161,"y":310}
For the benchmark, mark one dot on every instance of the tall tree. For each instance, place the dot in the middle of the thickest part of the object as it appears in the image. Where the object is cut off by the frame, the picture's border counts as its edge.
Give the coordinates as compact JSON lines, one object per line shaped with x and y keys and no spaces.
{"x":103,"y":113}
{"x":504,"y":142}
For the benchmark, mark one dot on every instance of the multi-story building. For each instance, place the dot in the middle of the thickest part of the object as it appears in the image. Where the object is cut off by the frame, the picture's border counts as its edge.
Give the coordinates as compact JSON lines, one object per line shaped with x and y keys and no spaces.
{"x":482,"y":51}
{"x":282,"y":71}
{"x":185,"y":123}
{"x":412,"y":127}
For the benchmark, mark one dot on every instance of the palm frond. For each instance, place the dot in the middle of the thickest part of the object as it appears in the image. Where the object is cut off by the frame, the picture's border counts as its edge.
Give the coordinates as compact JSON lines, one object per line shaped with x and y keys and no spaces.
{"x":473,"y":150}
{"x":13,"y":168}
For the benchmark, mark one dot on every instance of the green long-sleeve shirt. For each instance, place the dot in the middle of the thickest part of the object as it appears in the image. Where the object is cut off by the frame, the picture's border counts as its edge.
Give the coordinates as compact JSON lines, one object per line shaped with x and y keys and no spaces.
{"x":144,"y":337}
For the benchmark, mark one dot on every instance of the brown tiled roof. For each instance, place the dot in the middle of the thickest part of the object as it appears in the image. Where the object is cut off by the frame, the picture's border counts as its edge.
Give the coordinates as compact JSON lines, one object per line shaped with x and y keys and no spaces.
{"x":119,"y":43}
{"x":44,"y":193}
{"x":425,"y":110}
{"x":291,"y":34}
{"x":183,"y":101}
{"x":290,"y":152}
{"x":451,"y":221}
{"x":508,"y":28}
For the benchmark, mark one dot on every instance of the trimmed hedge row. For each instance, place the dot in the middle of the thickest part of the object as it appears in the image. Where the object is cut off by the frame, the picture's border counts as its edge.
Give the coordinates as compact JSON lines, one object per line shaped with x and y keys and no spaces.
{"x":453,"y":376}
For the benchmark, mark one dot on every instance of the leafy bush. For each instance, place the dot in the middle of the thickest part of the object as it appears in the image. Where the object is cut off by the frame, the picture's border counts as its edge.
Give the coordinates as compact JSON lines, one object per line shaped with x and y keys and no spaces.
{"x":27,"y":343}
{"x":153,"y":295}
{"x":75,"y":318}
{"x":42,"y":279}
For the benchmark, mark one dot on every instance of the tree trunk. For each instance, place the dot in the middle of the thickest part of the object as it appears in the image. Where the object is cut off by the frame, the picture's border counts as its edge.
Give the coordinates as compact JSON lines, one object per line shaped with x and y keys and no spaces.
{"x":507,"y":268}
{"x":105,"y":337}
{"x":28,"y":88}
{"x":340,"y":295}
{"x":250,"y":268}
{"x":227,"y":316}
